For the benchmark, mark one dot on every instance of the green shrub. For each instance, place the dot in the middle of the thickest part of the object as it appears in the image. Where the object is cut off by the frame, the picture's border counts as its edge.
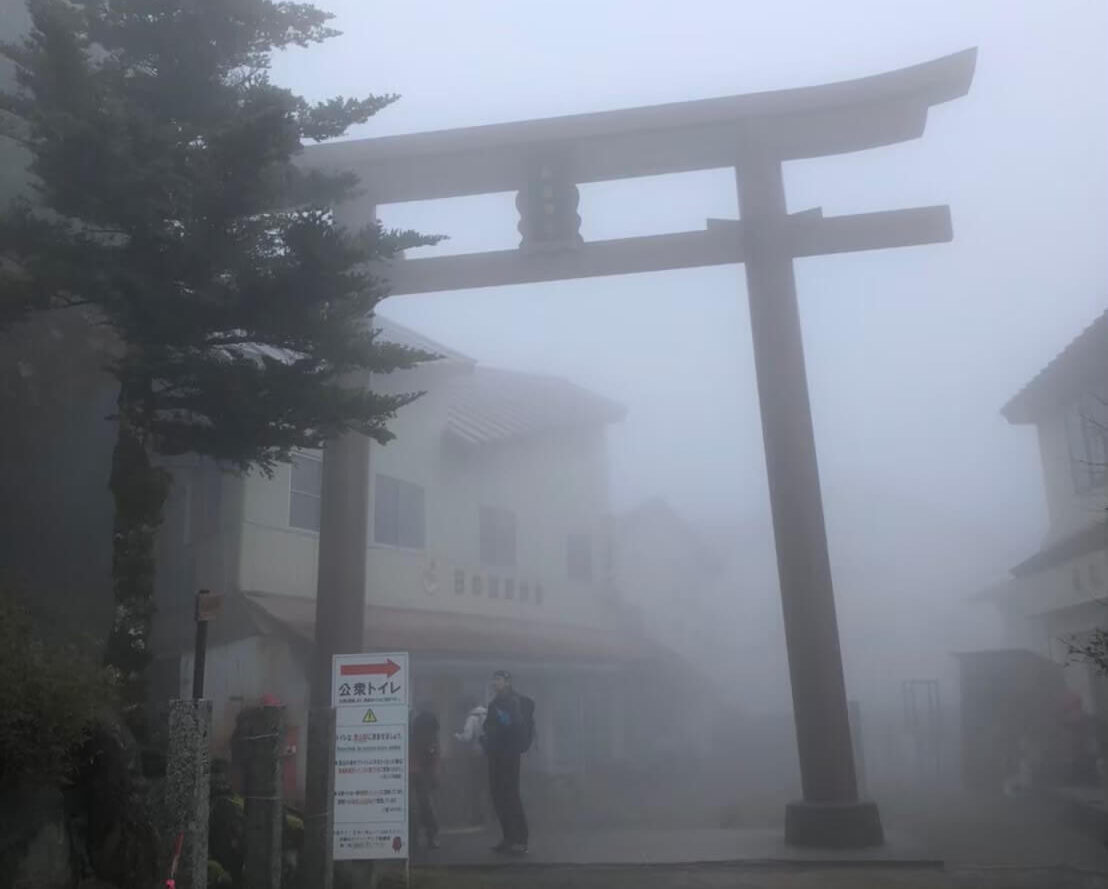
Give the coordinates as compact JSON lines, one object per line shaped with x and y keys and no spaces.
{"x":49,"y":697}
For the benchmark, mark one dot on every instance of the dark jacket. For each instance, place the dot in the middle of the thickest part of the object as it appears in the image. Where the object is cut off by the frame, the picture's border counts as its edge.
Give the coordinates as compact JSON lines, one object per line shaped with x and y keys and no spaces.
{"x":424,"y":741}
{"x":503,"y":724}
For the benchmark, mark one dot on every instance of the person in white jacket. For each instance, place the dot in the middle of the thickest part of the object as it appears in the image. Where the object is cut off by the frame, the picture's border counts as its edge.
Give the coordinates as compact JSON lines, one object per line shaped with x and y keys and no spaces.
{"x":471,"y":737}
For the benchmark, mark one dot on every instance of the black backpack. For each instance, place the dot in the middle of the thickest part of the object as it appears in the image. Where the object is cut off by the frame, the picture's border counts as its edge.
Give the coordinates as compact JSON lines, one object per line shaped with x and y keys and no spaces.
{"x":526,"y":729}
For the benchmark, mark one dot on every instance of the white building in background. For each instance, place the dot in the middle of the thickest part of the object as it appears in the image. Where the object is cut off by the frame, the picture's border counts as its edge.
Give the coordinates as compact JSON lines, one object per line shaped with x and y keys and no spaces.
{"x":669,"y":573}
{"x":487,"y":548}
{"x":1062,"y":589}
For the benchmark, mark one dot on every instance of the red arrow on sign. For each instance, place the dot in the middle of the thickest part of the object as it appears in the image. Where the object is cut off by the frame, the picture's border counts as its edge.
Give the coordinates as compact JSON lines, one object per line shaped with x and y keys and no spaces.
{"x":389,"y":668}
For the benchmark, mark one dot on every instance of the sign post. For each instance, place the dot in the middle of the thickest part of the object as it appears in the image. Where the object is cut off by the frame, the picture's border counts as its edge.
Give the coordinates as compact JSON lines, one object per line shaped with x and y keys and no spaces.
{"x":370,"y":696}
{"x":208,"y":605}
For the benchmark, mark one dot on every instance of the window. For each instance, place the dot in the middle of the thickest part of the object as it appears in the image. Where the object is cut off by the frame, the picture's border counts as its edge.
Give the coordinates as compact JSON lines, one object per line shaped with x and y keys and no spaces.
{"x":1087,"y":434}
{"x":494,"y":587}
{"x":398,"y":513}
{"x":306,"y":492}
{"x":498,"y":536}
{"x":579,"y":557}
{"x":202,"y":501}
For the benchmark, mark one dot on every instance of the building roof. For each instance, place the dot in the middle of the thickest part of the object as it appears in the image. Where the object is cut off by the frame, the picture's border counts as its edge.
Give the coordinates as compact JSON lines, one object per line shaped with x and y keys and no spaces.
{"x":1073,"y":546}
{"x":1083,"y":362}
{"x":392,"y":332}
{"x":454,"y":633}
{"x":490,"y":405}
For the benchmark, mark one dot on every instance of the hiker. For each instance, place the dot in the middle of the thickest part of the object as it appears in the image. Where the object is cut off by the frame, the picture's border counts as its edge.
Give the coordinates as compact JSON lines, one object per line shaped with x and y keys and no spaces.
{"x":509,"y":731}
{"x":471,"y":737}
{"x":423,"y":761}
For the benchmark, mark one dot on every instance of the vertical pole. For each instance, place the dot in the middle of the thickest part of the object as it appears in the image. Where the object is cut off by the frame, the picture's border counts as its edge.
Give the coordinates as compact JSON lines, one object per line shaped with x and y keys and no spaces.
{"x":199,"y":656}
{"x":264,"y":733}
{"x":830,"y":814}
{"x":339,"y":613}
{"x":188,"y":776}
{"x":198,"y":660}
{"x":319,"y":782}
{"x":339,"y":623}
{"x":207,"y":607}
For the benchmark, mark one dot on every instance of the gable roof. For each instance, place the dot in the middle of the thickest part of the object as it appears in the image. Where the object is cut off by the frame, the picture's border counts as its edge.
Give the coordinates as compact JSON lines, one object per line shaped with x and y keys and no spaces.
{"x":1083,"y":362}
{"x":489,"y":405}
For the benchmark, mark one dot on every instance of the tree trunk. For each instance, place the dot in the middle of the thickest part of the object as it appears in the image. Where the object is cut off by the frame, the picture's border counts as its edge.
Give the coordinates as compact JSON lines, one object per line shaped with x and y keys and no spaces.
{"x":139,"y":490}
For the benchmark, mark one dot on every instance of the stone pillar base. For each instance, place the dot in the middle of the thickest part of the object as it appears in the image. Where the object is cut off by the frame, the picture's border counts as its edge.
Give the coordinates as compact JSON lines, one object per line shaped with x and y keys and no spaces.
{"x":833,"y":825}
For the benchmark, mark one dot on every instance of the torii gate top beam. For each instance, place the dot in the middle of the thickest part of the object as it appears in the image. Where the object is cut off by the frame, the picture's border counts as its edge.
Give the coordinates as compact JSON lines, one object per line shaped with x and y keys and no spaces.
{"x":710,"y":133}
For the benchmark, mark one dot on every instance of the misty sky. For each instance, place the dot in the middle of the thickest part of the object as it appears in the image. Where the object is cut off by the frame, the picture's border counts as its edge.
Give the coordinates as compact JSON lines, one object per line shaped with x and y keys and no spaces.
{"x":911,"y":352}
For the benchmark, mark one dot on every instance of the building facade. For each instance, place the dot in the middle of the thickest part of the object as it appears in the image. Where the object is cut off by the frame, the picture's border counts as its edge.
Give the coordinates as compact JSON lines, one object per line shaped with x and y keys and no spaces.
{"x":488,"y":547}
{"x":1032,"y":698}
{"x":1062,"y":589}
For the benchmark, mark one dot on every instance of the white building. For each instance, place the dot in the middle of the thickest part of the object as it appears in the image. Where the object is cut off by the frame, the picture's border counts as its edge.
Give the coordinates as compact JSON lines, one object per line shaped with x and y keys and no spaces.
{"x":487,"y":548}
{"x":664,"y":569}
{"x":1062,"y":589}
{"x":1032,"y":687}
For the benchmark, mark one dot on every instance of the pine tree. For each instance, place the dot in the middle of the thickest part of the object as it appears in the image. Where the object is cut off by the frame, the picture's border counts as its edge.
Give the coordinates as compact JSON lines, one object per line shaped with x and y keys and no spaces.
{"x":168,"y":205}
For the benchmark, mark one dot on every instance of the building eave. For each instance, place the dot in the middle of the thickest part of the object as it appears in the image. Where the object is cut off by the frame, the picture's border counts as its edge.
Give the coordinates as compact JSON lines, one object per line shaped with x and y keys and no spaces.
{"x":1073,"y":546}
{"x":1083,"y":362}
{"x":460,"y":634}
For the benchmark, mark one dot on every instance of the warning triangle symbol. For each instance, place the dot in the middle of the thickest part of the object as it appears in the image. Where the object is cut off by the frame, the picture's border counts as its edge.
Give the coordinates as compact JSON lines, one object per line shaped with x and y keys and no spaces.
{"x":369,"y":716}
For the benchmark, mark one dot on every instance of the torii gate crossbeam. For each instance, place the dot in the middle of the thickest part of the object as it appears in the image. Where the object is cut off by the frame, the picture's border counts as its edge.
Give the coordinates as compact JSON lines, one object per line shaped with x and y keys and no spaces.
{"x":544,"y":161}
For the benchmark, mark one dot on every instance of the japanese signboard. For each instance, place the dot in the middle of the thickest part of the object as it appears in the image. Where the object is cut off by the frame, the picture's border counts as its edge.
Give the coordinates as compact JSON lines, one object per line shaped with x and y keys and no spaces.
{"x":370,"y":679}
{"x":370,"y":693}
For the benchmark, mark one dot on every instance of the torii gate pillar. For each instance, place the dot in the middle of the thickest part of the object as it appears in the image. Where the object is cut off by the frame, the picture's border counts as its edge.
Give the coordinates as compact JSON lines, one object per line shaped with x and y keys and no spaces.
{"x":830,"y":815}
{"x":544,"y":161}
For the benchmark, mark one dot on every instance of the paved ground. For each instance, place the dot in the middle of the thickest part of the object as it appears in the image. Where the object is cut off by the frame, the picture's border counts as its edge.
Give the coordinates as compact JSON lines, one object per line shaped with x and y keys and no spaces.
{"x":638,"y":847}
{"x":736,"y":877}
{"x":983,"y":844}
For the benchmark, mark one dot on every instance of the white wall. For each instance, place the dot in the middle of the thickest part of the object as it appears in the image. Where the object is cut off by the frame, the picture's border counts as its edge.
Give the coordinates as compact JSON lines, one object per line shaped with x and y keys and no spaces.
{"x":1069,"y":509}
{"x":556,"y":484}
{"x":239,"y":673}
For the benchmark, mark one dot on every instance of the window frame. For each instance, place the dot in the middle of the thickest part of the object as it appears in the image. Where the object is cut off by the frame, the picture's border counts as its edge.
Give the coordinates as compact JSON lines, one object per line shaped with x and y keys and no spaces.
{"x":401,"y":485}
{"x":1086,"y":428}
{"x":294,"y":491}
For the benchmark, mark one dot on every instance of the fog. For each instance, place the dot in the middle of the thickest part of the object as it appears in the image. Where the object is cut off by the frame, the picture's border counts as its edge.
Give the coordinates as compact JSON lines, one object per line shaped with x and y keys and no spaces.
{"x":929,"y":493}
{"x":930,"y":496}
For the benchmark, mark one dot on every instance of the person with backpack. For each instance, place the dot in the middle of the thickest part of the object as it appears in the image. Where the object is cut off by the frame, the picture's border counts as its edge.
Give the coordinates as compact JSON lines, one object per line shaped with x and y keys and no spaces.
{"x":509,"y":733}
{"x":423,"y":761}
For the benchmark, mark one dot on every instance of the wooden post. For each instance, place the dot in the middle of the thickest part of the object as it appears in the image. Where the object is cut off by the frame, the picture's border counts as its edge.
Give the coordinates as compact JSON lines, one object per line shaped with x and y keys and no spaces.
{"x":207,"y":607}
{"x":339,"y":623}
{"x":316,"y":871}
{"x":830,"y":813}
{"x":339,"y":614}
{"x":263,"y":736}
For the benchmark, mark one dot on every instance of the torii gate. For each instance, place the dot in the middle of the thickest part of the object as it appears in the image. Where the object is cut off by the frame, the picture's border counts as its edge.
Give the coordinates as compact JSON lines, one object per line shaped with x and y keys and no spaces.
{"x":544,"y":161}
